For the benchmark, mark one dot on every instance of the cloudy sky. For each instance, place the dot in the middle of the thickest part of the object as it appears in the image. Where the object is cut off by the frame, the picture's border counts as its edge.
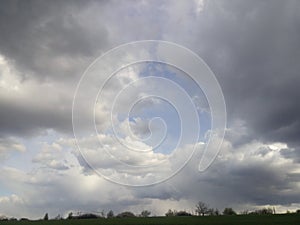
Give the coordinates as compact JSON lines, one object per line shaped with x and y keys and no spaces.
{"x":140,"y":126}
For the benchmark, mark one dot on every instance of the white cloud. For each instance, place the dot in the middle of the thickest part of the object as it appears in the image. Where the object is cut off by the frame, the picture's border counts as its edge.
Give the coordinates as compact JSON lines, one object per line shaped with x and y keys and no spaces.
{"x":9,"y":145}
{"x":51,"y":156}
{"x":75,"y":189}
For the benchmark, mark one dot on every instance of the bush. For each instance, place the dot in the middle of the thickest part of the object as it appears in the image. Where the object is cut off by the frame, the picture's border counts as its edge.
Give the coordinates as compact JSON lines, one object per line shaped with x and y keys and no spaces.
{"x":182,"y":213}
{"x":24,"y":219}
{"x":125,"y":215}
{"x":3,"y":218}
{"x":86,"y":216}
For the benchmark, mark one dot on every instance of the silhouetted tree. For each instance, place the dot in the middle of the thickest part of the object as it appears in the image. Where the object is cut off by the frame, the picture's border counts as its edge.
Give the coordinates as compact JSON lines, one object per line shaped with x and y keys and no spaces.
{"x":70,"y":216}
{"x":245,"y":212}
{"x":217,"y":213}
{"x":46,"y":217}
{"x":145,"y":213}
{"x":170,"y":213}
{"x":201,"y":208}
{"x":298,"y":211}
{"x":110,"y":214}
{"x":264,"y":211}
{"x":229,"y":212}
{"x":58,"y":217}
{"x":213,"y":212}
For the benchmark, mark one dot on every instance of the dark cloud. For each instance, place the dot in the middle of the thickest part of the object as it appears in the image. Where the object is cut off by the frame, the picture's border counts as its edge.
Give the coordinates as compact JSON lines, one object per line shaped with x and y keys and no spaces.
{"x":251,"y":46}
{"x":231,"y":181}
{"x":23,"y":120}
{"x":253,"y":49}
{"x":291,"y":153}
{"x":261,"y":185}
{"x":51,"y":42}
{"x":51,"y":39}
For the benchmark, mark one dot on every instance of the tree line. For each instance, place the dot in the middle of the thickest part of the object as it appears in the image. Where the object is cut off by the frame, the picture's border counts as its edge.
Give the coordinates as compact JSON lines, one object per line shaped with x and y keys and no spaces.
{"x":201,"y":209}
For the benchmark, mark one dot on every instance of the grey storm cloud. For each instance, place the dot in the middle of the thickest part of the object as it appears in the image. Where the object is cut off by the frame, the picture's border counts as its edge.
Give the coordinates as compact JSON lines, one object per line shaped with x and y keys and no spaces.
{"x":253,"y":49}
{"x":233,"y":181}
{"x":23,"y":120}
{"x":50,"y":43}
{"x":251,"y":46}
{"x":50,"y":39}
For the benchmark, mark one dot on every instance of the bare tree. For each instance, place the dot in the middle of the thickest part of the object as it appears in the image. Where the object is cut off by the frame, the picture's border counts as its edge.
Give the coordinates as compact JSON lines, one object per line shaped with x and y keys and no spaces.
{"x":171,"y":212}
{"x":145,"y":213}
{"x":202,"y":208}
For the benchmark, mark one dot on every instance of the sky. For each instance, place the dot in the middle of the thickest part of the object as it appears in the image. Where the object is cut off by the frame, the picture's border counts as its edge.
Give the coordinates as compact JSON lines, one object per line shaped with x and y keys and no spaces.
{"x":84,"y":134}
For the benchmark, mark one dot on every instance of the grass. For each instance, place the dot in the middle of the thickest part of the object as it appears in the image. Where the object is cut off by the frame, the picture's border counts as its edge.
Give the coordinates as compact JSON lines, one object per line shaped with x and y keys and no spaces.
{"x":280,"y":219}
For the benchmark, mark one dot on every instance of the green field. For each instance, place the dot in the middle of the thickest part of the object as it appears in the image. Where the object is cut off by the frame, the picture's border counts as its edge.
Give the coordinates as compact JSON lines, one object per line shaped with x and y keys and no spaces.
{"x":284,"y":219}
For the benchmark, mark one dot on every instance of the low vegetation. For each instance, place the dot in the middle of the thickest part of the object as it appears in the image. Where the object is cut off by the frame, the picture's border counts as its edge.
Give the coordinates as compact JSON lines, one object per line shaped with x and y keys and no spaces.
{"x":278,"y":219}
{"x":203,"y":214}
